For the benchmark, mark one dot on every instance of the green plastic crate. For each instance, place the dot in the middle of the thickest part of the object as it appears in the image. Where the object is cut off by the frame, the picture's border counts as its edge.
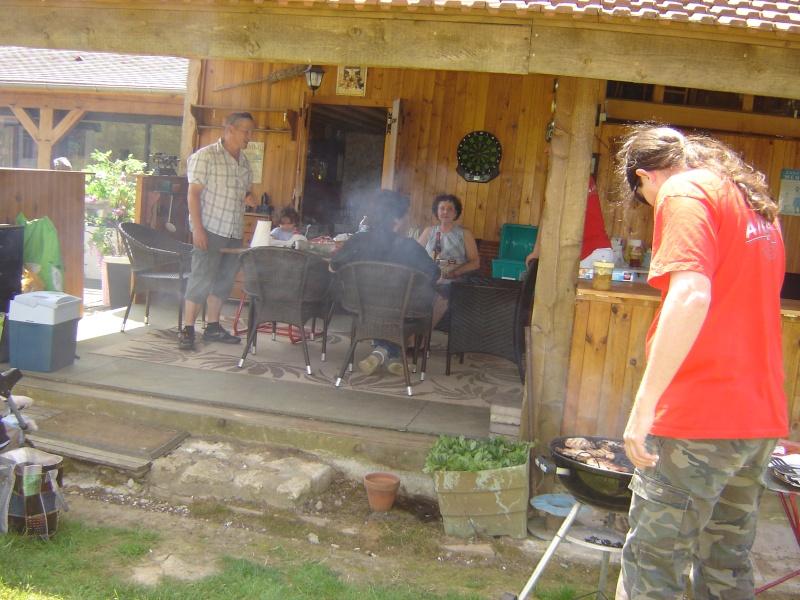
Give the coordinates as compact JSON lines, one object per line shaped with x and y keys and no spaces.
{"x":516,"y":241}
{"x":508,"y":269}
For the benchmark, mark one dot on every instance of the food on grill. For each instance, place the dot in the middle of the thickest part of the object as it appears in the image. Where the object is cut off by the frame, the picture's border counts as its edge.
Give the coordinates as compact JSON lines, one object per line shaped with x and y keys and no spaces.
{"x":579,"y":443}
{"x":608,"y":455}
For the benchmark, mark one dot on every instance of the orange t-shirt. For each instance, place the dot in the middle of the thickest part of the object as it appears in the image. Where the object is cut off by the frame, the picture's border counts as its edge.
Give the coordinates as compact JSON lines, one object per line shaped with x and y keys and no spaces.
{"x":730,"y":386}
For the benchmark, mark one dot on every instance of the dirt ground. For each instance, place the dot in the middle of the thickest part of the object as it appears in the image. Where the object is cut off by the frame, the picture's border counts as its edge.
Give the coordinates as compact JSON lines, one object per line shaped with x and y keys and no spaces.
{"x":406,"y":544}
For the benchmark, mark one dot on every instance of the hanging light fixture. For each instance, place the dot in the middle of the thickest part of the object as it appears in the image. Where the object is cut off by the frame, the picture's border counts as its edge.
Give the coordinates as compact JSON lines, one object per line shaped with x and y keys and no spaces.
{"x":314,"y":78}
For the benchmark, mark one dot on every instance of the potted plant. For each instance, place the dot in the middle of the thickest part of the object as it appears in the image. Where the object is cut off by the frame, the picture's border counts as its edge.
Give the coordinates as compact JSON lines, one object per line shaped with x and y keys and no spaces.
{"x":111,"y":190}
{"x":482,"y":485}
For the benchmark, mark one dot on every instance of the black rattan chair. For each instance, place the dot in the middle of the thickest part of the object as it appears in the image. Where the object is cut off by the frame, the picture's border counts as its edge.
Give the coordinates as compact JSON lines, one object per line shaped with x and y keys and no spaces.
{"x":489,"y":316}
{"x":159,"y":263}
{"x":390,"y":302}
{"x":284,"y":286}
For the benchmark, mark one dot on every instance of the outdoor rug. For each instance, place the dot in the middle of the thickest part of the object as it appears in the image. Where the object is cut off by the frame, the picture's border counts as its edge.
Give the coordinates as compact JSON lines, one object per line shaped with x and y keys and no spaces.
{"x":480,"y":381}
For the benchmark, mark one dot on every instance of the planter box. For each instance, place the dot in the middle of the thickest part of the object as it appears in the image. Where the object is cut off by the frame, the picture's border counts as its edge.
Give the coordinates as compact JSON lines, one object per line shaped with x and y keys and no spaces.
{"x":116,"y":281}
{"x":493,"y":502}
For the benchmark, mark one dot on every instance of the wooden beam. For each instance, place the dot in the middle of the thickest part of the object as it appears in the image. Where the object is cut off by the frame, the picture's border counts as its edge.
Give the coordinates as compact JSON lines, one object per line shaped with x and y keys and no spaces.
{"x":136,"y":104}
{"x":388,"y":39}
{"x":69,"y":121}
{"x":654,"y":57}
{"x":561,"y":232}
{"x":24,"y":118}
{"x":704,"y":118}
{"x":45,"y":134}
{"x":189,"y":130}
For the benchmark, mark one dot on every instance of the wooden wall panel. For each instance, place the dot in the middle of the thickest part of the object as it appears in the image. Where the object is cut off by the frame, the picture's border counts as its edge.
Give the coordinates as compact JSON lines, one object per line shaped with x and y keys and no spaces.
{"x":768,"y":155}
{"x":439,"y":108}
{"x":58,"y":195}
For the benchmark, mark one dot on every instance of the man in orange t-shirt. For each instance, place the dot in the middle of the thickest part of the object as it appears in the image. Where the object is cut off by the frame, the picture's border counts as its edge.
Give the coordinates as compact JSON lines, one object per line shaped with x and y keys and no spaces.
{"x":711,"y":405}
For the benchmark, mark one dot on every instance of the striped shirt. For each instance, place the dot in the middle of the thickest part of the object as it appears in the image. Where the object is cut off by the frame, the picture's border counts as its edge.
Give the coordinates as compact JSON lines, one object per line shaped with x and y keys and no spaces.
{"x":225,"y":184}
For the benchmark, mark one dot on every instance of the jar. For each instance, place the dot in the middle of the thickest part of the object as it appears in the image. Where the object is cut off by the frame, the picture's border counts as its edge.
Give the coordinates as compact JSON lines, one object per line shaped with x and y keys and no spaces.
{"x":601,"y":278}
{"x":634,"y":253}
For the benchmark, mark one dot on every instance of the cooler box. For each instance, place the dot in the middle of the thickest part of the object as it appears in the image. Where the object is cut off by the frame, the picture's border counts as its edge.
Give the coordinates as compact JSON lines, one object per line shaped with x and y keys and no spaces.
{"x":43,"y":330}
{"x":516,"y":241}
{"x":509,"y":269}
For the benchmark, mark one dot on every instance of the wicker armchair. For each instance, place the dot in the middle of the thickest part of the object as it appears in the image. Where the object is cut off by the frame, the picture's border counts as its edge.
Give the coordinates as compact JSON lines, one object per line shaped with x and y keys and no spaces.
{"x":390,"y":302}
{"x":284,"y":286}
{"x":159,"y":263}
{"x":489,"y":316}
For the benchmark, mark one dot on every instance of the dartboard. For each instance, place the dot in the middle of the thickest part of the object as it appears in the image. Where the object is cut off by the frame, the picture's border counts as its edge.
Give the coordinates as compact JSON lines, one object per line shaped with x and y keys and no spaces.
{"x":479,"y":155}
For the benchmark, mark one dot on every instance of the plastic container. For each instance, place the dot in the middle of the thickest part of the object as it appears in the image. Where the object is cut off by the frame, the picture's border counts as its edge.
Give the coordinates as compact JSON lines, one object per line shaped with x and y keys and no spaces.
{"x":516,"y":241}
{"x":509,"y":269}
{"x":602,"y":275}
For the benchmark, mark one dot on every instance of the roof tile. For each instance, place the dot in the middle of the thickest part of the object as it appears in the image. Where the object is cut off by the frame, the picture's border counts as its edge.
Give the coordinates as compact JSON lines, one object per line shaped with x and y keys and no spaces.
{"x":93,"y":70}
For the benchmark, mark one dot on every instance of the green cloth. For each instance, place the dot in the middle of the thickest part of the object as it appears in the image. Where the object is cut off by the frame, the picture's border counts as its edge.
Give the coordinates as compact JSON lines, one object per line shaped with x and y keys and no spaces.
{"x":41,"y":251}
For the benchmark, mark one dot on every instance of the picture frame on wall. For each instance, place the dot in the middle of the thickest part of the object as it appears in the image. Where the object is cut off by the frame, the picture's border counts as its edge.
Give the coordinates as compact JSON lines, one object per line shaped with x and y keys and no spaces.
{"x":255,"y":155}
{"x":351,"y":81}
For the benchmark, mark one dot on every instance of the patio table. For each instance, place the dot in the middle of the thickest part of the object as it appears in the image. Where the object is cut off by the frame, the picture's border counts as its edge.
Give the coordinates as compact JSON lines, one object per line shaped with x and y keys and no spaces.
{"x":788,"y":497}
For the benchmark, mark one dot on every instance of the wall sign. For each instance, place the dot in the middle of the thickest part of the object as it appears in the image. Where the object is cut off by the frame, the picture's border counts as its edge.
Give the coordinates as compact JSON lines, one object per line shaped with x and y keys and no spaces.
{"x":789,"y":197}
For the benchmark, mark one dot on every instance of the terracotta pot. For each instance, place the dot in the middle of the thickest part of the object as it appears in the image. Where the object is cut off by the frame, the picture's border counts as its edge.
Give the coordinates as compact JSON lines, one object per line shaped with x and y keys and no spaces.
{"x":381,"y":490}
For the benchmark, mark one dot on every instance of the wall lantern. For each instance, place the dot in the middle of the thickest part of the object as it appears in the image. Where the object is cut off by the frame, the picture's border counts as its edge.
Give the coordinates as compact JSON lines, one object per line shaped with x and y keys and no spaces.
{"x":314,"y":78}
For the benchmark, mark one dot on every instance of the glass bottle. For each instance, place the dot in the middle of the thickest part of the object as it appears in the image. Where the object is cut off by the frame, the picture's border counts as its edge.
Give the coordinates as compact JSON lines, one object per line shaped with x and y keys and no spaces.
{"x":437,"y":246}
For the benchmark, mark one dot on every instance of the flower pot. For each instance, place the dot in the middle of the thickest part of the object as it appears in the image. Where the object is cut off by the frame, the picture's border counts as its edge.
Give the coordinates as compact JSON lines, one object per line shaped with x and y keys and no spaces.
{"x":115,"y":276}
{"x":492,"y":502}
{"x":381,"y":490}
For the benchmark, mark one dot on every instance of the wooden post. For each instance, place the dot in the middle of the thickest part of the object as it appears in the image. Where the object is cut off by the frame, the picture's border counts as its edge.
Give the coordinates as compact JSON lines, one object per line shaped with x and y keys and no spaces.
{"x":189,"y":128}
{"x":562,"y":233}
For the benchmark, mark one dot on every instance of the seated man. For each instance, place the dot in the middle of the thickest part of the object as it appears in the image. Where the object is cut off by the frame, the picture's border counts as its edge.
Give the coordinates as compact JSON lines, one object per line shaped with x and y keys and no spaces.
{"x":385,"y":211}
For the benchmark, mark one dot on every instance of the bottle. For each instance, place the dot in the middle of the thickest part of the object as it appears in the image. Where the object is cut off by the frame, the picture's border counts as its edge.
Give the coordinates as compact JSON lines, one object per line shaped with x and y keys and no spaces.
{"x":363,"y":226}
{"x":636,"y":257}
{"x":437,"y":246}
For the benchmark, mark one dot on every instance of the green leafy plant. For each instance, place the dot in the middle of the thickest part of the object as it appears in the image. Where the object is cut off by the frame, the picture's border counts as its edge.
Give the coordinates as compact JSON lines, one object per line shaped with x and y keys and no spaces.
{"x":451,"y":453}
{"x":110,"y":184}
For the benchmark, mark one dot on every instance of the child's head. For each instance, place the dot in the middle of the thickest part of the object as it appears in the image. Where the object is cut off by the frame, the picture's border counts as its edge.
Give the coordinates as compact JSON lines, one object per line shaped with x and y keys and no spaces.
{"x":287,"y":219}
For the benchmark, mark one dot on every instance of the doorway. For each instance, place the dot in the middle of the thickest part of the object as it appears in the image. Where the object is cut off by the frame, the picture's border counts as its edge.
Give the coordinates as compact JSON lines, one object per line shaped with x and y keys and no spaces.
{"x":344,"y":163}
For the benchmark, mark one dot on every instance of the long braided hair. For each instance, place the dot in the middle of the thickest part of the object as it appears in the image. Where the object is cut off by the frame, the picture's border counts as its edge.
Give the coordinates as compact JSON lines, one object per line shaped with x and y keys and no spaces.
{"x":655,"y":147}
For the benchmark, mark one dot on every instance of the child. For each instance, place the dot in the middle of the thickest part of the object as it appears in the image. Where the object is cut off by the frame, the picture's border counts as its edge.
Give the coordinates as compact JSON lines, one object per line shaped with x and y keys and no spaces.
{"x":288,"y":220}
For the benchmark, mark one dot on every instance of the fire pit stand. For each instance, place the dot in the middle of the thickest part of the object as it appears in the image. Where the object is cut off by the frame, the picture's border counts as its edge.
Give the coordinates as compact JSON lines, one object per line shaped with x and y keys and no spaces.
{"x":559,"y":537}
{"x":591,"y":486}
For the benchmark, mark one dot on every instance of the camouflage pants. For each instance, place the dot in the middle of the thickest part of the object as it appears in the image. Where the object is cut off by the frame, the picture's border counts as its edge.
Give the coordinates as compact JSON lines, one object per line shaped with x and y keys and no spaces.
{"x":697,"y":506}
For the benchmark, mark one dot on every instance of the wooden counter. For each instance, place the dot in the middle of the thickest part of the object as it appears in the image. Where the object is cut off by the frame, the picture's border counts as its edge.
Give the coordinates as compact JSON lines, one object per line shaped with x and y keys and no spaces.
{"x":607,"y":357}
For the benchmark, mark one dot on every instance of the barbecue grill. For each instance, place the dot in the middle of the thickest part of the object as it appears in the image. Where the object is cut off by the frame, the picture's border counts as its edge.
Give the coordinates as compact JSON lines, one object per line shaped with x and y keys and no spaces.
{"x":587,"y":480}
{"x":599,"y":481}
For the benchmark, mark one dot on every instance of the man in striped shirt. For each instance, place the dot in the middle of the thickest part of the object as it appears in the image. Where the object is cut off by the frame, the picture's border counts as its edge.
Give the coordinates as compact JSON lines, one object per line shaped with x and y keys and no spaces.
{"x":219,"y":189}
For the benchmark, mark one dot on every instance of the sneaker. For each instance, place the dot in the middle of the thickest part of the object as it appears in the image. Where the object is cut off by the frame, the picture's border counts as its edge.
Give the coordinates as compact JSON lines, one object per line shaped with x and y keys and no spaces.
{"x":186,"y":339}
{"x":395,"y":367}
{"x":218,"y":334}
{"x":369,"y":364}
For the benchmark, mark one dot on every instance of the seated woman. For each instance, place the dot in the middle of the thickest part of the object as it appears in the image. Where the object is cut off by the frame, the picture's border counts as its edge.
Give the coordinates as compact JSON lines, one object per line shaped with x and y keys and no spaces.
{"x":381,"y":242}
{"x":448,"y":241}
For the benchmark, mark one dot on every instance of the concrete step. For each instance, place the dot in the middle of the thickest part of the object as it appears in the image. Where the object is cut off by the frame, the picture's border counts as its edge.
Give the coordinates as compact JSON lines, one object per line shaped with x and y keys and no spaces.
{"x":379,"y":448}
